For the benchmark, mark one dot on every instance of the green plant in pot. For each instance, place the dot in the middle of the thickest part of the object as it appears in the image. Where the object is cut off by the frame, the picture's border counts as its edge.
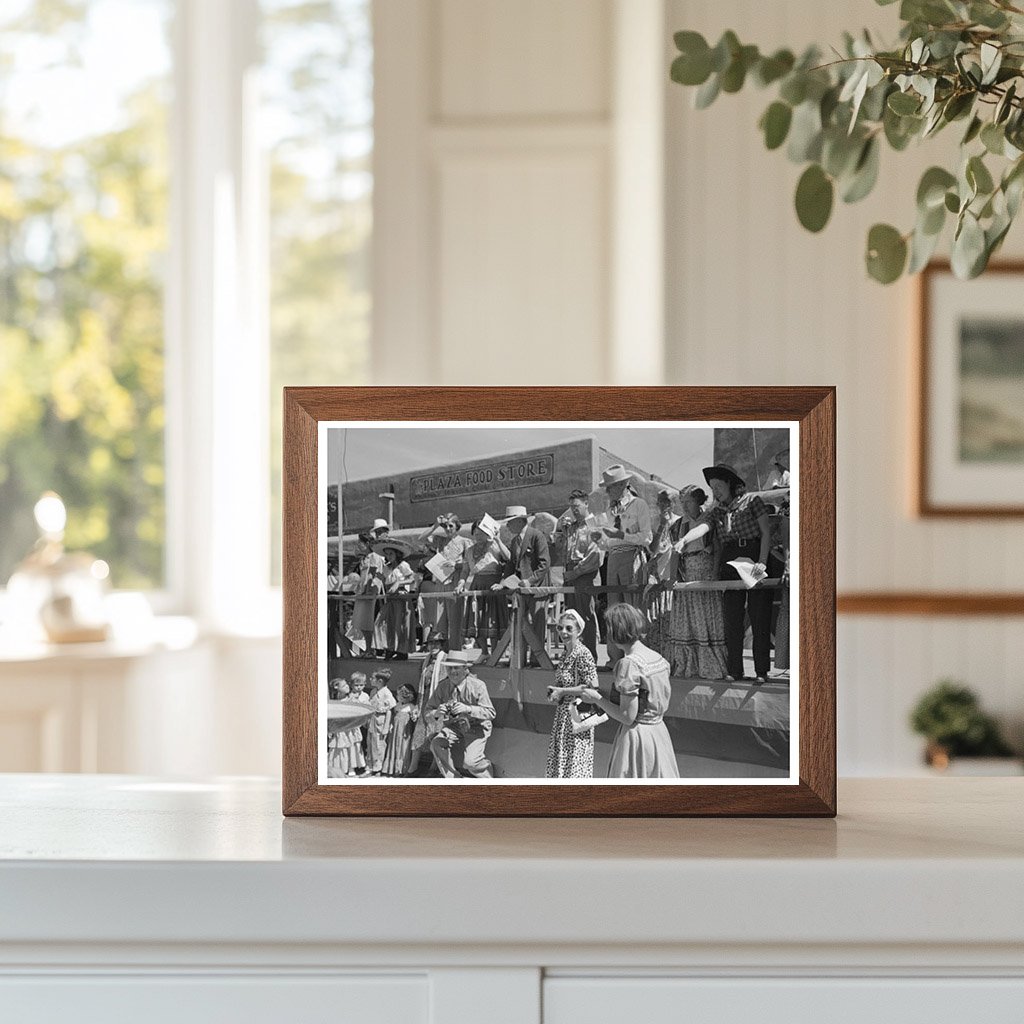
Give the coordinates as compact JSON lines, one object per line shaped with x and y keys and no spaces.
{"x":949,"y":716}
{"x":956,"y":62}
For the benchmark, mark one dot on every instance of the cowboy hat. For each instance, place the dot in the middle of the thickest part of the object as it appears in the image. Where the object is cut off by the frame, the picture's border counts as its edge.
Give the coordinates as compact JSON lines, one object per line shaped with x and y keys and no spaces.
{"x":516,"y":512}
{"x":722,"y":472}
{"x":616,"y":474}
{"x":380,"y":524}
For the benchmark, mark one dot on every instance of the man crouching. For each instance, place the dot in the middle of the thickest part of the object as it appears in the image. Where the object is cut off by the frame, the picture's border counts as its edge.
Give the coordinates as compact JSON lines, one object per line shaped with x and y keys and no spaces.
{"x":463,"y":707}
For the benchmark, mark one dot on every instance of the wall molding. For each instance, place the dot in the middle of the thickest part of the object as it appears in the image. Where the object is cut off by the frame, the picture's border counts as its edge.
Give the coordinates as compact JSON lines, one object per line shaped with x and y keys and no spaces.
{"x":915,"y":603}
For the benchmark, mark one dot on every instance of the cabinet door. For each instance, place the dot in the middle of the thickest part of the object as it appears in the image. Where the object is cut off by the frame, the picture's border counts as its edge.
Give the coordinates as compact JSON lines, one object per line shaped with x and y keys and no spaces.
{"x":206,"y":999}
{"x":569,"y":1000}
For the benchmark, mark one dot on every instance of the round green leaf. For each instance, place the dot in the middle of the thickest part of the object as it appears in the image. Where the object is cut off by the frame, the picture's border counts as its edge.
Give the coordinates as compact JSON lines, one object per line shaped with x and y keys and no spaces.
{"x":973,"y":130}
{"x":707,"y":93}
{"x":978,"y":176}
{"x":887,"y":253}
{"x":775,"y":124}
{"x":993,"y":138}
{"x":693,"y":65}
{"x":922,"y":248}
{"x":814,"y":198}
{"x":805,"y":133}
{"x":770,"y":69}
{"x":865,"y":174}
{"x":903,"y":103}
{"x":968,"y":256}
{"x":952,"y":202}
{"x":932,"y":189}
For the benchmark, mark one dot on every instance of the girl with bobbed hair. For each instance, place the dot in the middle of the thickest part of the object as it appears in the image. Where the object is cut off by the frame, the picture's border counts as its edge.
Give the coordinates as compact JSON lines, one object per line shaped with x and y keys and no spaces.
{"x":642,"y":748}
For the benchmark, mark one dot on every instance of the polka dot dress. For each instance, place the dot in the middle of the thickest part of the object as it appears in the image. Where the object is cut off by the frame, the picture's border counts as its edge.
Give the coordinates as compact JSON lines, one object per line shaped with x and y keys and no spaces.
{"x":571,"y":756}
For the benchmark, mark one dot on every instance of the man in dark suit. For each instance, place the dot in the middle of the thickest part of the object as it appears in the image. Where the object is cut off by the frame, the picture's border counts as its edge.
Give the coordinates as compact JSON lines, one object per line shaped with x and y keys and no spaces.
{"x":531,"y":561}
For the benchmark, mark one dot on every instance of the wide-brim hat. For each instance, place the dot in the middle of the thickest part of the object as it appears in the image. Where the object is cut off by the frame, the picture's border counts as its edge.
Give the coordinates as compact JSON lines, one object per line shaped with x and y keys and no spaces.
{"x":722,"y":472}
{"x":466,"y":658}
{"x":616,"y":474}
{"x":403,"y":547}
{"x":380,"y":524}
{"x":516,"y":512}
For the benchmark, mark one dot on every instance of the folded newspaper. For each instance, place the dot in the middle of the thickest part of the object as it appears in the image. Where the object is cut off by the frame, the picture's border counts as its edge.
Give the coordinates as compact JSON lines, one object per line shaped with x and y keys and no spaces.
{"x":749,"y":571}
{"x":441,"y":568}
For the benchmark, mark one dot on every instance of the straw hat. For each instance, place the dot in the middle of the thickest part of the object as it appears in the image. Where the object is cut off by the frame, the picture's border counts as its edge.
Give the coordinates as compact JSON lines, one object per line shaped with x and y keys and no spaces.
{"x":401,"y":546}
{"x":516,"y":512}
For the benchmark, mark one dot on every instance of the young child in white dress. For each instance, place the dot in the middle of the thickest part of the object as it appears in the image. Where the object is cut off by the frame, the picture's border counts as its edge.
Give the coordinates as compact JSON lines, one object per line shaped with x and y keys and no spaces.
{"x":345,"y":747}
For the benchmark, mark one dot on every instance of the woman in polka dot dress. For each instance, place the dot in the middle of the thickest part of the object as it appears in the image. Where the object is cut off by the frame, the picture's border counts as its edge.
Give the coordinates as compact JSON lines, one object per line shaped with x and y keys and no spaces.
{"x":571,"y":752}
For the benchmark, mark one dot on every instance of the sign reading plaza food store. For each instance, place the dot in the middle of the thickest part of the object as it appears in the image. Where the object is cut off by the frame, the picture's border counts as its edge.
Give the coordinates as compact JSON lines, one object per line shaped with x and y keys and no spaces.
{"x":539,"y":478}
{"x":535,"y":471}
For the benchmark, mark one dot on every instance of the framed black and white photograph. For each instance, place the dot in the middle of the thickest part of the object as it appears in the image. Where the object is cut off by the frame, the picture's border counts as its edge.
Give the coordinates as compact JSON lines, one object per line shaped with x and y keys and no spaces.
{"x":558,"y":613}
{"x":970,"y":450}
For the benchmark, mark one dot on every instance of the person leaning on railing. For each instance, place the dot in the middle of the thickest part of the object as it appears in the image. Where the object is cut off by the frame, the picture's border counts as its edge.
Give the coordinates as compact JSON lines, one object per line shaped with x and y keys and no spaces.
{"x":397,"y":621}
{"x":578,"y":535}
{"x":626,"y":542}
{"x":745,"y":532}
{"x":371,"y":582}
{"x":486,"y":615}
{"x":440,"y":616}
{"x":696,"y":633}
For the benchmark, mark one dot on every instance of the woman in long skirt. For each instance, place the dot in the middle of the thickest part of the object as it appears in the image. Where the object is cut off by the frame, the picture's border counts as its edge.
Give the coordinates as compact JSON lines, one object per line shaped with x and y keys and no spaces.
{"x":486,"y":614}
{"x":571,"y":753}
{"x":397,"y":632}
{"x":371,"y":582}
{"x":642,"y":748}
{"x":696,"y":635}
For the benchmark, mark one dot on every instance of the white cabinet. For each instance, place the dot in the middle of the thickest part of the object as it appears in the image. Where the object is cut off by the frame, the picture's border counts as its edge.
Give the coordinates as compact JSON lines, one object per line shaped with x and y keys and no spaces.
{"x":824,"y":1000}
{"x":127,"y":898}
{"x":205,"y":999}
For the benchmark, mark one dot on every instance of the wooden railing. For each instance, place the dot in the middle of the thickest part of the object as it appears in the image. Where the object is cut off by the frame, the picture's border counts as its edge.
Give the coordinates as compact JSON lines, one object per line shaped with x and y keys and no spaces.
{"x":519,"y":636}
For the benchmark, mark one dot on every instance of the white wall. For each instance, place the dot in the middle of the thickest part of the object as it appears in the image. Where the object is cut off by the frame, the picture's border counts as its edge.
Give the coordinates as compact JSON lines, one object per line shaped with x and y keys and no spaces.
{"x":519,"y":151}
{"x":753,"y":298}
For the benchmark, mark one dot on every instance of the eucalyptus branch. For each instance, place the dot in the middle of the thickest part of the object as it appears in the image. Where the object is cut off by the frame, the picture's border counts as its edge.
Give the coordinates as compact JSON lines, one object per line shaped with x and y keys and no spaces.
{"x":833,"y":117}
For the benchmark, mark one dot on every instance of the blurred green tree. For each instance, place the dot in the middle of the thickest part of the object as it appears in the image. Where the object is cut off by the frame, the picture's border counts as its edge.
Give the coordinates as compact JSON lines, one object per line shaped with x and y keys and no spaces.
{"x":82,"y":233}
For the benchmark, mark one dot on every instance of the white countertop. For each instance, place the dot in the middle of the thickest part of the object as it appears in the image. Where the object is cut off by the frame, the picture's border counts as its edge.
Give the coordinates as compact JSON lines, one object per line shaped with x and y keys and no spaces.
{"x":124,"y":859}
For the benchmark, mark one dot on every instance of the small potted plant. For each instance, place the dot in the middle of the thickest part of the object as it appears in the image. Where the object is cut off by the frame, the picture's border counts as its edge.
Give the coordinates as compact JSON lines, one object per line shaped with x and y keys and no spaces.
{"x":949,"y":716}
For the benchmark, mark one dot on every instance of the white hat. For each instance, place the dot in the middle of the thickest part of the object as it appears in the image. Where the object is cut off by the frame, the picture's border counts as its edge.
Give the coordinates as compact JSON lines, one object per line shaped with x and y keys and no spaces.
{"x":466,"y":658}
{"x":380,"y":524}
{"x":616,"y":474}
{"x":516,"y":512}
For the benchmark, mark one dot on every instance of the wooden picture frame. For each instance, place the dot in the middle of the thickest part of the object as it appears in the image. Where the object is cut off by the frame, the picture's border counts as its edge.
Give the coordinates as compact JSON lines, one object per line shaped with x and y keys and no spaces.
{"x":809,"y":412}
{"x":962,"y":416}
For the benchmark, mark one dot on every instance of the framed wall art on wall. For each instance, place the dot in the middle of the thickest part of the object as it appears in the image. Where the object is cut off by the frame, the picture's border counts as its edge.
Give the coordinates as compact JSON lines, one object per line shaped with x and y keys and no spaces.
{"x":559,"y":601}
{"x":970,"y":419}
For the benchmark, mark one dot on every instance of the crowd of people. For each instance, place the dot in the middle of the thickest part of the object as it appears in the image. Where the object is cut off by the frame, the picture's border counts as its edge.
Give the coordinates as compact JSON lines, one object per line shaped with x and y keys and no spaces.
{"x":459,"y":593}
{"x":443,"y":728}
